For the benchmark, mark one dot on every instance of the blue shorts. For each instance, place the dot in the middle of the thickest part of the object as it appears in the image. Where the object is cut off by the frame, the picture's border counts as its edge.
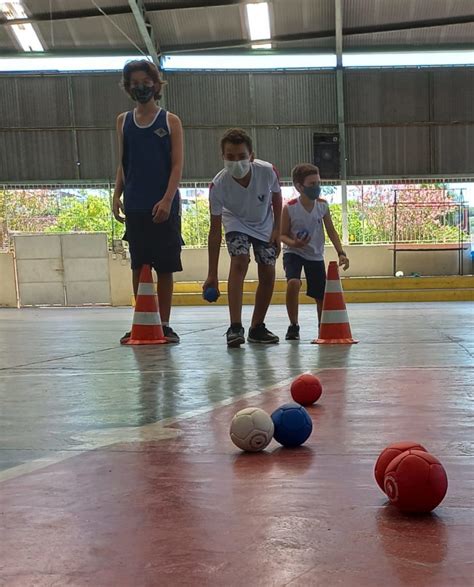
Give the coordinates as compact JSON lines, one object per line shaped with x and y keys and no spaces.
{"x":315,"y":273}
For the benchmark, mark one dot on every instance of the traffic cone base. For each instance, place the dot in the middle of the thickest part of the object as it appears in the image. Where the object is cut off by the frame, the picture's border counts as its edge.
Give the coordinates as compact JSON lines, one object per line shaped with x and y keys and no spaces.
{"x":146,"y":328}
{"x":335,"y":327}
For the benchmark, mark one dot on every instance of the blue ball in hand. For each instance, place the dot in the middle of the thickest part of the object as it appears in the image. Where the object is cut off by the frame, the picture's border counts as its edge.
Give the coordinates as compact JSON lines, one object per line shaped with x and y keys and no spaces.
{"x":302,"y":235}
{"x":211,"y":294}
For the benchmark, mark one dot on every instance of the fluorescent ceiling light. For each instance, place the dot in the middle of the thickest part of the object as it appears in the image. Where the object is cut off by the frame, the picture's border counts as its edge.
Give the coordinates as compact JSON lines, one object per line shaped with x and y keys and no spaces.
{"x":408,"y":59}
{"x":246,"y":62}
{"x":262,"y":46}
{"x":269,"y":62}
{"x":13,"y":9}
{"x":27,"y":37}
{"x":112,"y":63}
{"x":25,"y":33}
{"x":258,"y":17}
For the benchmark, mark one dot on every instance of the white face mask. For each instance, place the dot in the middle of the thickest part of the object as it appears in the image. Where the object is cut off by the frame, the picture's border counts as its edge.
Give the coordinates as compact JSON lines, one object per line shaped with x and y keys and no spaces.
{"x":237,"y":169}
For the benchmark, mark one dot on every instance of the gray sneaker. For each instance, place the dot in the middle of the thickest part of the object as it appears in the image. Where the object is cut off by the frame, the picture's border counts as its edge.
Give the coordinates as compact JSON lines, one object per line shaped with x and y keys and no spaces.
{"x":235,"y":336}
{"x":293,"y":332}
{"x":170,"y":335}
{"x":260,"y":334}
{"x":125,"y":338}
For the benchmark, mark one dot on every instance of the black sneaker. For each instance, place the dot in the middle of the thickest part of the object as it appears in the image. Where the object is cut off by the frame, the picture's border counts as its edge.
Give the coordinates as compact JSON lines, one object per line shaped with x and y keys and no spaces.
{"x":235,"y":335}
{"x":170,"y":335}
{"x":262,"y":335}
{"x":293,"y":332}
{"x":125,"y":338}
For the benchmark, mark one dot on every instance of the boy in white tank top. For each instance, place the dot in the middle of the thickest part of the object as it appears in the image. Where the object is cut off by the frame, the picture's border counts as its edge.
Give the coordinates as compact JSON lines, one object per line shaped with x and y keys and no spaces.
{"x":302,"y":234}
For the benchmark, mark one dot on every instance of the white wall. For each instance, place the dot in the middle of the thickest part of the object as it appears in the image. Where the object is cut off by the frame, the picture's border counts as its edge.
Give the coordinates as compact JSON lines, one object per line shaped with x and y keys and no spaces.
{"x":366,"y":261}
{"x":7,"y":281}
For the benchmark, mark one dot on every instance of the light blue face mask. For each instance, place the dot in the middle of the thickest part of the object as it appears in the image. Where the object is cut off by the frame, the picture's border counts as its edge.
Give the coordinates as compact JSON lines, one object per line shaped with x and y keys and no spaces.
{"x":312,"y":191}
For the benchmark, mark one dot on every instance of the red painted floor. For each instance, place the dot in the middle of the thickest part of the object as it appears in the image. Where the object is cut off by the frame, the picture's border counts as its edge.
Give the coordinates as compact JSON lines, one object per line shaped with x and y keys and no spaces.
{"x":195,"y":511}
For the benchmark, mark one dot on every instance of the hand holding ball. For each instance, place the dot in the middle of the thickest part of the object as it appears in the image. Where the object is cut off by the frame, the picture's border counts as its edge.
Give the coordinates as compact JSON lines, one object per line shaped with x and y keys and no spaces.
{"x":211,"y":294}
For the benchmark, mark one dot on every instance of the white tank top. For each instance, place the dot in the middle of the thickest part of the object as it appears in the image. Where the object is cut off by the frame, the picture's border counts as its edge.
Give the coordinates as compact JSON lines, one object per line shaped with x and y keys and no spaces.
{"x":312,"y":223}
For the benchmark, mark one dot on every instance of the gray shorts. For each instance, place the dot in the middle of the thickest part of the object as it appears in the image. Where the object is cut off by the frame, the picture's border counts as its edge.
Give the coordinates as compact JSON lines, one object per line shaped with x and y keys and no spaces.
{"x":239,"y":243}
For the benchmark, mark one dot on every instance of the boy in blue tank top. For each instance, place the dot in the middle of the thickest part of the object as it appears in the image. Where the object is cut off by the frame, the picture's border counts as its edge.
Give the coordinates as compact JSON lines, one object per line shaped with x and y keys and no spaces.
{"x":151,"y":162}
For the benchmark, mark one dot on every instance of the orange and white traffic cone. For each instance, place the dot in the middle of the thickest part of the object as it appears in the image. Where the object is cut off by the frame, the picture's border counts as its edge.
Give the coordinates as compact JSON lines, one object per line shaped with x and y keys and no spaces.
{"x":146,"y":328}
{"x":335,"y":327}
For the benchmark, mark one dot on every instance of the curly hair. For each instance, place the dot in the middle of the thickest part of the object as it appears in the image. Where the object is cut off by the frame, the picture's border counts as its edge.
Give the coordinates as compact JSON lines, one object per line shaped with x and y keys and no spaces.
{"x":236,"y":136}
{"x":300,"y":172}
{"x":146,"y":66}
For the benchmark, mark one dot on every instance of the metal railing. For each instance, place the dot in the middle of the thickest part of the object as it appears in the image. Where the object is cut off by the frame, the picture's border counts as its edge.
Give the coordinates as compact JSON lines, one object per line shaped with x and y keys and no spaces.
{"x":434,"y":215}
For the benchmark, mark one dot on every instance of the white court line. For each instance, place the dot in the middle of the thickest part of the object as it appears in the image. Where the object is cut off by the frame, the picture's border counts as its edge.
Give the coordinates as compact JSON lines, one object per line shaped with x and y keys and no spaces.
{"x":150,"y":372}
{"x":101,"y":438}
{"x":107,"y":437}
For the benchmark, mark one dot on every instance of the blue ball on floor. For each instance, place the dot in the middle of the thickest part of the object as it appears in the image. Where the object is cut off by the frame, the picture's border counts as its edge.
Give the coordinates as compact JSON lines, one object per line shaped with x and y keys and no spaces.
{"x":293,"y":425}
{"x":211,"y":294}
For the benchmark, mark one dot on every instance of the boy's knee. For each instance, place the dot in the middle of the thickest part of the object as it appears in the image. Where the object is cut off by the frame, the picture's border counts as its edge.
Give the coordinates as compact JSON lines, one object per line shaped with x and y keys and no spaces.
{"x":266,"y":273}
{"x":240,"y":263}
{"x":294,"y":284}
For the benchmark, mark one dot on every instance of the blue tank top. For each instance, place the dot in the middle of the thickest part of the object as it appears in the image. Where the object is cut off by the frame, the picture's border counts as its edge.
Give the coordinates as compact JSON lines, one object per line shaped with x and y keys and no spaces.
{"x":146,"y":163}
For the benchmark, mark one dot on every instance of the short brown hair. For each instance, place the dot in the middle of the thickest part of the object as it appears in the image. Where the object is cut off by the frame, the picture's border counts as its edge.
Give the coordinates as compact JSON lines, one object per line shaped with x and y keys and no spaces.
{"x":300,"y":172}
{"x":236,"y":136}
{"x":142,"y":65}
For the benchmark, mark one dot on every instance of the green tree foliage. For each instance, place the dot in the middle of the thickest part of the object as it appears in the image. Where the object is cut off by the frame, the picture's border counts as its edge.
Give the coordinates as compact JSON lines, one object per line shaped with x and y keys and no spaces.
{"x":424,"y":214}
{"x":89,"y":215}
{"x":195,"y":223}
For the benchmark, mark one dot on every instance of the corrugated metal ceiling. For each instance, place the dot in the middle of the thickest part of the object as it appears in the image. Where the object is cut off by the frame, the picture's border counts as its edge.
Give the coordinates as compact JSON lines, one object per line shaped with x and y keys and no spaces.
{"x":90,"y":33}
{"x":212,"y":24}
{"x":44,"y":6}
{"x":301,"y":16}
{"x":433,"y":36}
{"x":374,"y":12}
{"x":197,"y":25}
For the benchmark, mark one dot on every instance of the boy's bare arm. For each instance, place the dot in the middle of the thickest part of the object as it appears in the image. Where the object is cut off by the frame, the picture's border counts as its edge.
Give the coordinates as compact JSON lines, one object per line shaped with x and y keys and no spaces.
{"x":277,"y":203}
{"x":214,"y":247}
{"x":336,"y":241}
{"x":117,"y":205}
{"x":161,"y":210}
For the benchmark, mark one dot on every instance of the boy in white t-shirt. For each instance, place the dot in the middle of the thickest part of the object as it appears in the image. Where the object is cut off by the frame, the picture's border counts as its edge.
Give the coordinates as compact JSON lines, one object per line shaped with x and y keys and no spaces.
{"x":246,"y":197}
{"x":302,"y":232}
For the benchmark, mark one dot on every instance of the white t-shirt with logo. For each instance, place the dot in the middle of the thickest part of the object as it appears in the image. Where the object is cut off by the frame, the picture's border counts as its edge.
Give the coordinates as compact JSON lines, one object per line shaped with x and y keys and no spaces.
{"x":312,"y":223}
{"x":248,"y":210}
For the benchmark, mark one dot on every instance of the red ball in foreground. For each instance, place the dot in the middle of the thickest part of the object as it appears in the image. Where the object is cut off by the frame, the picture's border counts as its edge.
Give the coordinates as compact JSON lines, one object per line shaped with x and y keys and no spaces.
{"x":387,"y":456}
{"x":415,"y":482}
{"x":306,"y":389}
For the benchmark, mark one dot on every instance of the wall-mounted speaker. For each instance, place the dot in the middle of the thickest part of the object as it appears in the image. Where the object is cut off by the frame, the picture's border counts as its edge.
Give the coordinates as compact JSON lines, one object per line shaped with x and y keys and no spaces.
{"x":326,"y":154}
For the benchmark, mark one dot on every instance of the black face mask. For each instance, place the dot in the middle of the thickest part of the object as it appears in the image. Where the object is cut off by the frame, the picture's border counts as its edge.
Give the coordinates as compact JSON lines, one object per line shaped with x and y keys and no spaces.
{"x":142,"y":94}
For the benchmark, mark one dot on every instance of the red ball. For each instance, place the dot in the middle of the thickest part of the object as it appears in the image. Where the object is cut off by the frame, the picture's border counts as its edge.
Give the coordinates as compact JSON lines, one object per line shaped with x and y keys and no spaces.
{"x":387,"y":456}
{"x":306,"y":389}
{"x":415,"y":482}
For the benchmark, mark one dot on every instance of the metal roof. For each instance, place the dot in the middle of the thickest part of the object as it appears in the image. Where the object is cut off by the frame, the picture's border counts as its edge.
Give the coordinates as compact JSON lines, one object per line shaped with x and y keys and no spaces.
{"x":191,"y":25}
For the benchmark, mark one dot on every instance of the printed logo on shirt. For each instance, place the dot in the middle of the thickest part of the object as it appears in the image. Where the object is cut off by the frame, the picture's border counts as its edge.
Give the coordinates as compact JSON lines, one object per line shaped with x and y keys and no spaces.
{"x":161,"y":132}
{"x":261,"y":198}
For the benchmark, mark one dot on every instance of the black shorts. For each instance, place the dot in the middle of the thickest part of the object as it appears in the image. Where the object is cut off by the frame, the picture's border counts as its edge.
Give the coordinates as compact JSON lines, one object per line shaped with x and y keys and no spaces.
{"x":158,"y":245}
{"x":314,"y":271}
